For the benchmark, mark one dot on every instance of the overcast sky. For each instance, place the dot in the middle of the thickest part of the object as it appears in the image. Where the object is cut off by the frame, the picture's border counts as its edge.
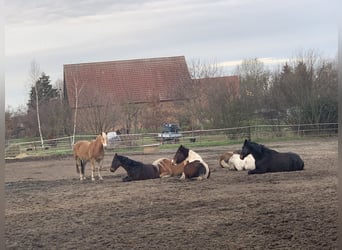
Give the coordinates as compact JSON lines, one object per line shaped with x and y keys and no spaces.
{"x":54,"y":33}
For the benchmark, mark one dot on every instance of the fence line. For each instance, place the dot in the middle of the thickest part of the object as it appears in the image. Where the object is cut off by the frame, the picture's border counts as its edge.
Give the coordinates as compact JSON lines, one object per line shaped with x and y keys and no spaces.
{"x":223,"y":136}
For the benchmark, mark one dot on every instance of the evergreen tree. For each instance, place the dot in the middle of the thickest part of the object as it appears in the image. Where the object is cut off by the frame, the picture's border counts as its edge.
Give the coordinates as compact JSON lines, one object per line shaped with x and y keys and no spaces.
{"x":45,"y":91}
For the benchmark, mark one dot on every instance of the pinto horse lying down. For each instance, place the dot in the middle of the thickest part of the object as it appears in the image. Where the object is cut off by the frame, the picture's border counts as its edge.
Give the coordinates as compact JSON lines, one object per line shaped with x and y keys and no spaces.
{"x":167,"y":168}
{"x":195,"y":167}
{"x":269,"y":160}
{"x":232,"y":161}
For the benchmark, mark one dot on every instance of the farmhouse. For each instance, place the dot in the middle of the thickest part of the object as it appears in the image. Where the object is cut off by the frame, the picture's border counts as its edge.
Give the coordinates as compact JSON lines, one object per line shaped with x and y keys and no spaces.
{"x":131,"y":94}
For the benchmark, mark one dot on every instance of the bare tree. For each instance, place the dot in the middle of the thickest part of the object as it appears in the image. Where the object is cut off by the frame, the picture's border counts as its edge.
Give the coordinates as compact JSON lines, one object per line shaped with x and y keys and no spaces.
{"x":196,"y":92}
{"x":34,"y":76}
{"x":254,"y":86}
{"x":223,"y":108}
{"x":78,"y":87}
{"x":155,"y":113}
{"x":131,"y":112}
{"x":100,"y":115}
{"x":60,"y":88}
{"x":306,"y":88}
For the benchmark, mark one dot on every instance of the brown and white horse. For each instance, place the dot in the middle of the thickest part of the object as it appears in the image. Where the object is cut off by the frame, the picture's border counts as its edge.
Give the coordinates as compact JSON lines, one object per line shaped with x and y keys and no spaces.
{"x":167,"y":169}
{"x":224,"y":159}
{"x":92,"y":151}
{"x":195,"y":167}
{"x":232,"y":161}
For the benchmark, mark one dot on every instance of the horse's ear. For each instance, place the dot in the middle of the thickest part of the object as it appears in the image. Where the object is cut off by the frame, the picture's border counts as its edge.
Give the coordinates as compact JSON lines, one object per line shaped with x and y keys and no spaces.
{"x":245,"y":142}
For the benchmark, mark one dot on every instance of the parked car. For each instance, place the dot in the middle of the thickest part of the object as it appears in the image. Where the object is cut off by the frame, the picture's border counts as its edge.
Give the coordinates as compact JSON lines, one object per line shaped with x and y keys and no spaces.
{"x":170,"y":132}
{"x":113,"y":138}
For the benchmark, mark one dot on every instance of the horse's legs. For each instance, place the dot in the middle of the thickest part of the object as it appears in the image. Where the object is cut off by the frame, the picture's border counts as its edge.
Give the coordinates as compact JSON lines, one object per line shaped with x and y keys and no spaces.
{"x":127,"y":178}
{"x":99,"y":170}
{"x":165,"y":174}
{"x":92,"y":161}
{"x":257,"y":171}
{"x":82,"y":177}
{"x":164,"y":171}
{"x":78,"y":163}
{"x":83,"y":163}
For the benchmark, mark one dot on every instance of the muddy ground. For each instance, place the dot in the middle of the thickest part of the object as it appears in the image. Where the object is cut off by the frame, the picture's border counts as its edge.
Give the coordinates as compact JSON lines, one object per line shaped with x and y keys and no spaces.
{"x":49,"y":208}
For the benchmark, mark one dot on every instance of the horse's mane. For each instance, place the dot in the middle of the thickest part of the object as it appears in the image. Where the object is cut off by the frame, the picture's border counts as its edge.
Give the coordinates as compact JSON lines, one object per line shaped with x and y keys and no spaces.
{"x":184,"y":150}
{"x":129,"y":162}
{"x":238,"y":151}
{"x":260,"y":148}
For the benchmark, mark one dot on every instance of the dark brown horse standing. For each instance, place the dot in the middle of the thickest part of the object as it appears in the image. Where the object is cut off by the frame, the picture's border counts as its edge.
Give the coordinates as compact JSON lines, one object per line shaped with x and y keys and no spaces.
{"x":135,"y":170}
{"x":269,"y":160}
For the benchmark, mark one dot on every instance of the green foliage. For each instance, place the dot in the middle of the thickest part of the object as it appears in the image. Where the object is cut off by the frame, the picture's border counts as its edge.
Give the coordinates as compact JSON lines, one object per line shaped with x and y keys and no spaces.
{"x":320,"y":110}
{"x":45,"y":91}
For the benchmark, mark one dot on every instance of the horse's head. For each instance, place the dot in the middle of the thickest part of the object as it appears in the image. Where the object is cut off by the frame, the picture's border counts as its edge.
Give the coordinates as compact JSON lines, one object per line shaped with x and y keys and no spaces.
{"x":104,"y":139}
{"x":250,"y":147}
{"x":245,"y":149}
{"x":115,"y":163}
{"x":181,"y":154}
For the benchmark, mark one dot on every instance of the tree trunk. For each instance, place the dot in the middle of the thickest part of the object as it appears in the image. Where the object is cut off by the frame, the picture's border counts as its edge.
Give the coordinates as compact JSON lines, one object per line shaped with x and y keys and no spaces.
{"x":75,"y":116}
{"x":38,"y":117}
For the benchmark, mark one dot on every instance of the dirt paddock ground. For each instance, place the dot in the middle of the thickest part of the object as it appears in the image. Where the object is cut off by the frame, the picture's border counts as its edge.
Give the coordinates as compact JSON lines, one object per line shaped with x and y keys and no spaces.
{"x":47,"y":207}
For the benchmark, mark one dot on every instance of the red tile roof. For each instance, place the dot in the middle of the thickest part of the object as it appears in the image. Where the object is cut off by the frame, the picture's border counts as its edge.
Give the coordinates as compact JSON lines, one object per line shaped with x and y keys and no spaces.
{"x":231,"y":83}
{"x":134,"y":81}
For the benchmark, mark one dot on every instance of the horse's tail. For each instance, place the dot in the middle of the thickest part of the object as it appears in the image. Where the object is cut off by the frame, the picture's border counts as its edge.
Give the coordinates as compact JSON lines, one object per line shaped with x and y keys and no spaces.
{"x":77,"y":167}
{"x":223,"y":164}
{"x":78,"y":162}
{"x":82,"y":167}
{"x":224,"y":159}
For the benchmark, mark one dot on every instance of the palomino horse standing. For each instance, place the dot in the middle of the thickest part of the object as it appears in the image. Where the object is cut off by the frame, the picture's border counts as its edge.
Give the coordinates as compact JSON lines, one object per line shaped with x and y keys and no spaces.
{"x":92,"y":151}
{"x":195,"y":167}
{"x":135,"y":170}
{"x":167,"y":169}
{"x":268,"y":160}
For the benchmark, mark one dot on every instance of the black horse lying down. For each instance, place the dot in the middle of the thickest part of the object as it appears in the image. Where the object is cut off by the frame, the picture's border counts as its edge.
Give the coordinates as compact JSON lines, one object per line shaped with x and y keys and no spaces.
{"x":135,"y":170}
{"x":268,"y":160}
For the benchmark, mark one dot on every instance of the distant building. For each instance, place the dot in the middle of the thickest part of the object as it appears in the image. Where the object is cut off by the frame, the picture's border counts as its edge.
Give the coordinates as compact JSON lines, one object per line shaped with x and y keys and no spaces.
{"x":157,"y":83}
